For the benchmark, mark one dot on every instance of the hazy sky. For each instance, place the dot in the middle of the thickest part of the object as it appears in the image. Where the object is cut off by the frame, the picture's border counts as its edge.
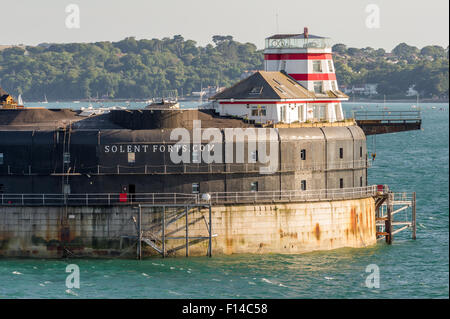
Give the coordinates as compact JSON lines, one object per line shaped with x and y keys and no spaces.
{"x":415,"y":22}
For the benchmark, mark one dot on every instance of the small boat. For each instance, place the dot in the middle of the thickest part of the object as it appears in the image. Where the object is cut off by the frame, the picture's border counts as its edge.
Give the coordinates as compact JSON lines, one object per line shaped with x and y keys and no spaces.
{"x":19,"y":100}
{"x":45,"y":100}
{"x":164,"y":104}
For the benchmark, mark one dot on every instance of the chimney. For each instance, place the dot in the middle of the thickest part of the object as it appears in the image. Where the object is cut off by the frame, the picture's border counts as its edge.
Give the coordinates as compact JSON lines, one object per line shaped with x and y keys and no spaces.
{"x":305,"y":32}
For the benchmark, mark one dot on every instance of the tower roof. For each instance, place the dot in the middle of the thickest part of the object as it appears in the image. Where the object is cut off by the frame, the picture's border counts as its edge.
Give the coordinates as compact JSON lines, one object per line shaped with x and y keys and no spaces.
{"x":266,"y":85}
{"x":294,"y":36}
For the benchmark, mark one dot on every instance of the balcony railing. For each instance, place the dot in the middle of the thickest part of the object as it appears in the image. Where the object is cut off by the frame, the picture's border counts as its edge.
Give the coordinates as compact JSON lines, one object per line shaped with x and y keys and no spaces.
{"x":188,"y":168}
{"x":387,"y":116}
{"x":319,"y":43}
{"x":109,"y":199}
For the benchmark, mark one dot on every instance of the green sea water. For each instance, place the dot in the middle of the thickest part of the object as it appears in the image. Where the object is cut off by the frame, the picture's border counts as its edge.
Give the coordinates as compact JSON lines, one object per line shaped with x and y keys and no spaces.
{"x":408,"y":161}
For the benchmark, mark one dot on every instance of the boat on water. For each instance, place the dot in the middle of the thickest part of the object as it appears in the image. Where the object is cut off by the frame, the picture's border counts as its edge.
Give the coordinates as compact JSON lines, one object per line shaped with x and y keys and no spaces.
{"x":45,"y":100}
{"x":91,"y":111}
{"x":163,"y":103}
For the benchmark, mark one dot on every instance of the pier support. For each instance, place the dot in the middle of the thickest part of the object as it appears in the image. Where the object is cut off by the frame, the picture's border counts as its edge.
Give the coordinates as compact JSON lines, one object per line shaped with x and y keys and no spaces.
{"x":388,"y":221}
{"x":390,"y":204}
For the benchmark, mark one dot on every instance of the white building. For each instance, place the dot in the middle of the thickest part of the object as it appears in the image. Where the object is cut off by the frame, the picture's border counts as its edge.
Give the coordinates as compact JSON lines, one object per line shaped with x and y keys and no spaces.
{"x":298,"y":84}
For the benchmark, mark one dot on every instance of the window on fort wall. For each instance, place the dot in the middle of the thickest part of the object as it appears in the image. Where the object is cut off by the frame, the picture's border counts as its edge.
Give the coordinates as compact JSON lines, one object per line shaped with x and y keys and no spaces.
{"x":341,"y":153}
{"x":66,"y":158}
{"x":360,"y":152}
{"x":254,"y":156}
{"x":195,"y":157}
{"x":195,"y":188}
{"x":317,"y":66}
{"x":131,"y":158}
{"x":360,"y":181}
{"x":303,"y":154}
{"x":303,"y":185}
{"x":254,"y":186}
{"x":341,"y":183}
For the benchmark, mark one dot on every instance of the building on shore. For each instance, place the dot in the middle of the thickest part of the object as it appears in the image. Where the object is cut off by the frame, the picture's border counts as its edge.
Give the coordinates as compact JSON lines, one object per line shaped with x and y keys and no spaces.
{"x":7,"y":101}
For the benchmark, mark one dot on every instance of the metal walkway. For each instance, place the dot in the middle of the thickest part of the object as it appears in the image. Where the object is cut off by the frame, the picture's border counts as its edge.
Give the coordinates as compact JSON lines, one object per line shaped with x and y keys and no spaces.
{"x":382,"y":122}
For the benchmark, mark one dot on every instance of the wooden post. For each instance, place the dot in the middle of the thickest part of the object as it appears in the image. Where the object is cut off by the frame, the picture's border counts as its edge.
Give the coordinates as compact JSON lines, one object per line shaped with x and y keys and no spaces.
{"x":140,"y":233}
{"x":210,"y":233}
{"x":187,"y":231}
{"x":164,"y":232}
{"x":388,"y":222}
{"x":414,"y":216}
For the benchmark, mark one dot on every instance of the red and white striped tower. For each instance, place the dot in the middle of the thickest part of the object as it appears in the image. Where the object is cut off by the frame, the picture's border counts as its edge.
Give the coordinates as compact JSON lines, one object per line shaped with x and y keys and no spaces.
{"x":305,"y":57}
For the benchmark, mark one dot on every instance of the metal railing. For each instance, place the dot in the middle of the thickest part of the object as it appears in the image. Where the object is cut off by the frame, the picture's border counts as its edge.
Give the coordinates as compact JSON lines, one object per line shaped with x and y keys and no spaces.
{"x":391,"y":116}
{"x":200,"y":168}
{"x":293,"y":195}
{"x":108,"y":199}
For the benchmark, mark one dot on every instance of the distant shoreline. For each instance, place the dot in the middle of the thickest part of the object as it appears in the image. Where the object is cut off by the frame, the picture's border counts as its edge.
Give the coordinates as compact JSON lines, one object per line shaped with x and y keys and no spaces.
{"x":355,"y":100}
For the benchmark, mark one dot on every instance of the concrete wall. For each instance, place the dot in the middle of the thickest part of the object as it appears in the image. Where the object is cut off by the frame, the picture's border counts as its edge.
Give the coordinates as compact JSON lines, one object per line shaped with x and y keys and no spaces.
{"x":54,"y":232}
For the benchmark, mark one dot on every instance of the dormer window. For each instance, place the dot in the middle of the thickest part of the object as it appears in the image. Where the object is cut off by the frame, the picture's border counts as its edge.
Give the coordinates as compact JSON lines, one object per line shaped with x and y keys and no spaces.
{"x":256,"y":90}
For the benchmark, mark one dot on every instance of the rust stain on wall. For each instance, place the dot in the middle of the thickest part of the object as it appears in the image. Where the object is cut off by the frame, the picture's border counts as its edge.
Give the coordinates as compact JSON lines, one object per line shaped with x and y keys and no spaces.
{"x":317,"y":231}
{"x":353,"y":221}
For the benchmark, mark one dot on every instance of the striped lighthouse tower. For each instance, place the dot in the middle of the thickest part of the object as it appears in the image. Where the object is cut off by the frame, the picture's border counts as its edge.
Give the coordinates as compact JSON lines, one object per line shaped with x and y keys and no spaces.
{"x":305,"y":57}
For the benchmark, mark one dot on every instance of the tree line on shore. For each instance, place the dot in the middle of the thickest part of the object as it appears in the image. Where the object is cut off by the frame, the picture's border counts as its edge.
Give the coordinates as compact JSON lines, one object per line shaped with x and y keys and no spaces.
{"x":144,"y":68}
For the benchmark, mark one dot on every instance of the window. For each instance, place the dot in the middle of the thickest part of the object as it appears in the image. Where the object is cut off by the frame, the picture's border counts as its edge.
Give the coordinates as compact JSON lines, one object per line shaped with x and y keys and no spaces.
{"x":195,"y":156}
{"x":303,"y":155}
{"x":341,"y":153}
{"x":333,"y":86}
{"x":318,"y":87}
{"x":360,"y":181}
{"x":360,"y":151}
{"x":254,"y":186}
{"x":254,"y":156}
{"x":341,"y":183}
{"x":317,"y":66}
{"x":1,"y":159}
{"x":256,"y":90}
{"x":131,"y":158}
{"x":195,"y":188}
{"x":258,"y":111}
{"x":330,"y":66}
{"x":303,"y":185}
{"x":66,"y":158}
